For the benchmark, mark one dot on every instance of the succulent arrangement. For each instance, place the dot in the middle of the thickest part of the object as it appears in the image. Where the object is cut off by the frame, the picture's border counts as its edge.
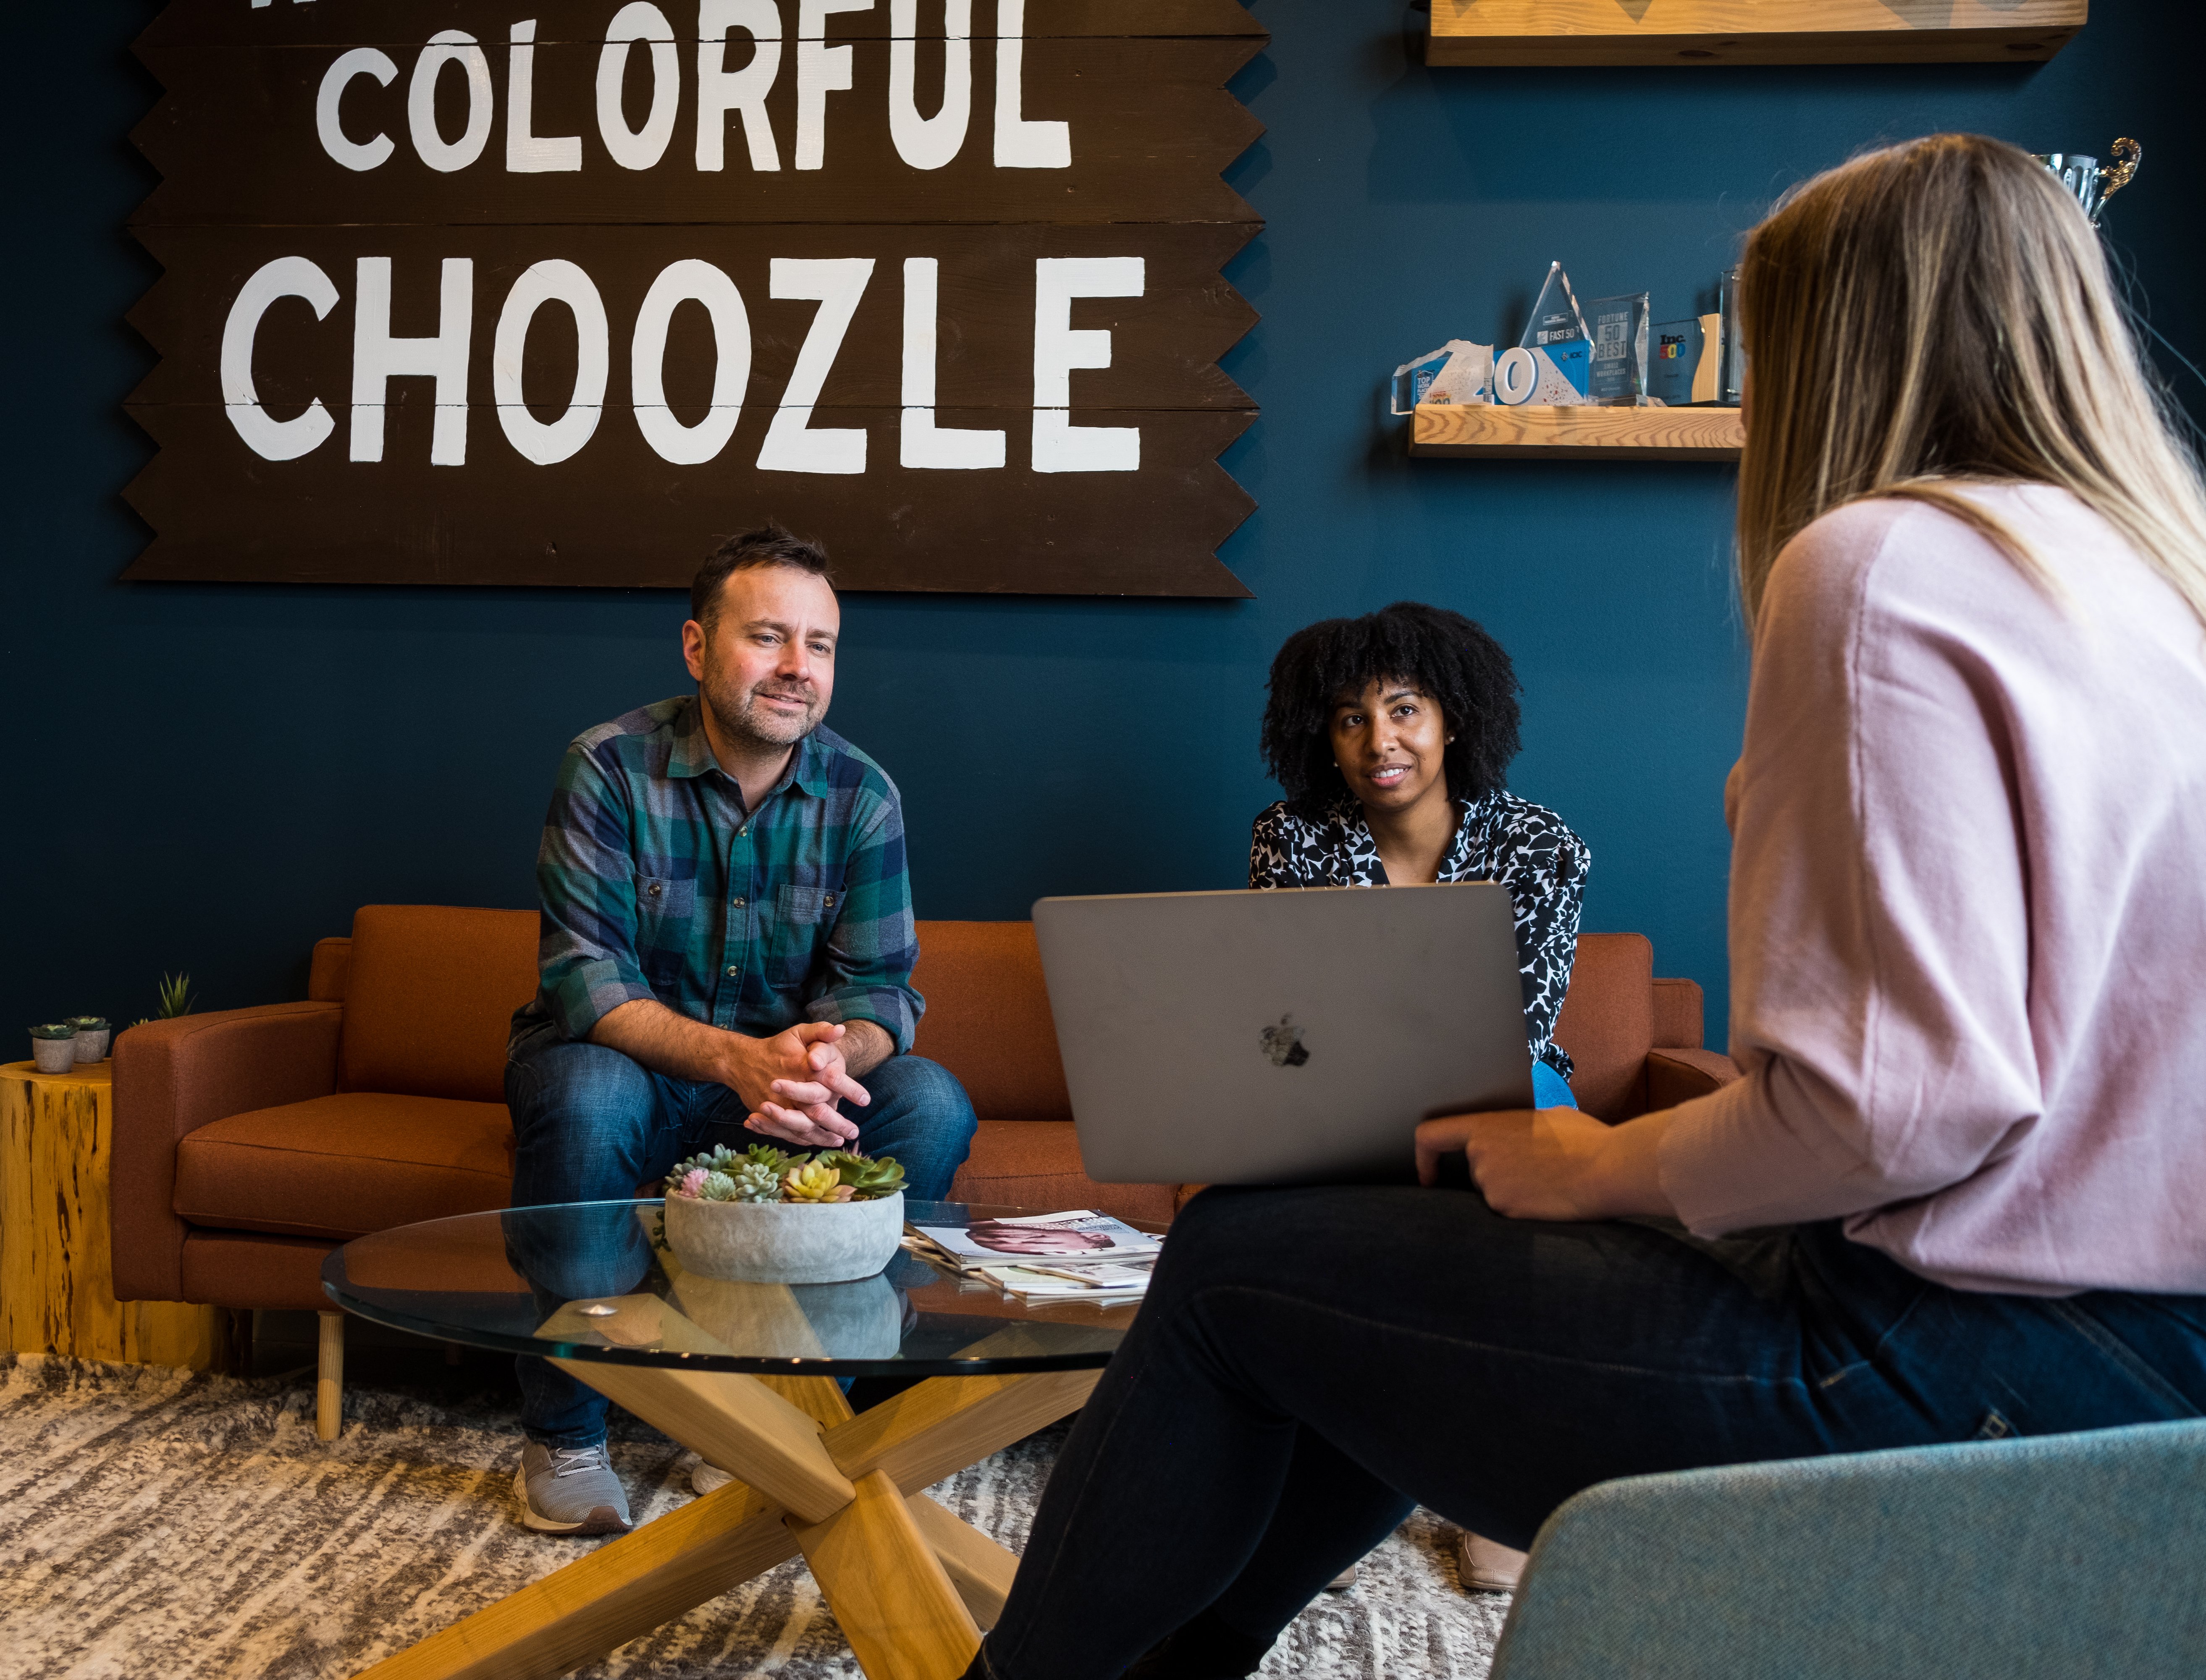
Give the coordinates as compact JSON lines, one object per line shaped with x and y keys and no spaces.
{"x":763,"y":1173}
{"x":87,"y":1023}
{"x":55,"y":1029}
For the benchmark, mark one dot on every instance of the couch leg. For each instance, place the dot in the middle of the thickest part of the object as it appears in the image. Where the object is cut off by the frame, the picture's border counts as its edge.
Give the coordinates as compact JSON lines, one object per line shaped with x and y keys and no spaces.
{"x":329,"y":1386}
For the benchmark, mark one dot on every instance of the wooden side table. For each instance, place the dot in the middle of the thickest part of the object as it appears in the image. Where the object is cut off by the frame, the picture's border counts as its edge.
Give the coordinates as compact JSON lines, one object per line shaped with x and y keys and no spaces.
{"x":56,"y":1276}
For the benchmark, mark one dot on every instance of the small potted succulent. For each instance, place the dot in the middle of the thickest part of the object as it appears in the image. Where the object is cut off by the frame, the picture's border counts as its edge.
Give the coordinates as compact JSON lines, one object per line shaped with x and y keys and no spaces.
{"x":53,"y":1046}
{"x":93,"y":1033}
{"x":765,"y":1217}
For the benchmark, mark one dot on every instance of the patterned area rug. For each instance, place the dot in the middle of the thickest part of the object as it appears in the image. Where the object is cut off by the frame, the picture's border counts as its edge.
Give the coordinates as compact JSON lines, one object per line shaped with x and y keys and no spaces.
{"x":160,"y":1523}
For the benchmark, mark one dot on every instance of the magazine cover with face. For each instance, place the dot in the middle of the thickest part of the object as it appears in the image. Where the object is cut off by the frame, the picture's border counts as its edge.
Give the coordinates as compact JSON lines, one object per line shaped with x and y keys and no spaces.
{"x":1083,"y":1235}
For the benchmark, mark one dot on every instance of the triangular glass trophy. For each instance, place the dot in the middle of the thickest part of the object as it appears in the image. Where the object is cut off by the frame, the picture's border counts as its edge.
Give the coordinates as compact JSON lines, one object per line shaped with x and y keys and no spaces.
{"x":1552,"y":363}
{"x":1555,"y":317}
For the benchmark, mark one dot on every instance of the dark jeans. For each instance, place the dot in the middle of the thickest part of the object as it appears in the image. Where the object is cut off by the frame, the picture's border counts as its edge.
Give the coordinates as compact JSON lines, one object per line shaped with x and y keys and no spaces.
{"x":591,"y":1124}
{"x":1309,"y":1364}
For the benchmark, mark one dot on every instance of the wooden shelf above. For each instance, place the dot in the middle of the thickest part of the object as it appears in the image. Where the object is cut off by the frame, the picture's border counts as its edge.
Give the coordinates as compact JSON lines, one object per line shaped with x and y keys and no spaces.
{"x":1749,"y":31}
{"x":1475,"y":430}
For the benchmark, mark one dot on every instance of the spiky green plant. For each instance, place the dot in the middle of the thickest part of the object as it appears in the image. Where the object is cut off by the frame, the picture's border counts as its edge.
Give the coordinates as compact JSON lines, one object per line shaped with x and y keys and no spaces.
{"x":176,"y":995}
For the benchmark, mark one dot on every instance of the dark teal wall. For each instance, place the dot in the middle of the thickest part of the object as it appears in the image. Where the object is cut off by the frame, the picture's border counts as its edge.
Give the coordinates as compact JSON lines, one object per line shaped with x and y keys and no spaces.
{"x":208,"y":778}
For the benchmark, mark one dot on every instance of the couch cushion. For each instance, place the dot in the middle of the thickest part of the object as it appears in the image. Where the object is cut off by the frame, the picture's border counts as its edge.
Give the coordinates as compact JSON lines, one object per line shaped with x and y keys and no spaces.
{"x":429,"y":997}
{"x":988,"y":1018}
{"x":1608,"y":1022}
{"x":344,"y":1165}
{"x":1037,"y":1164}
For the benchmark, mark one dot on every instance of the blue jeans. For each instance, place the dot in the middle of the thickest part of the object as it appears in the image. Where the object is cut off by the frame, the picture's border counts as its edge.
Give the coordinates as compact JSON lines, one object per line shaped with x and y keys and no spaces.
{"x":1310,"y":1364}
{"x":591,"y":1124}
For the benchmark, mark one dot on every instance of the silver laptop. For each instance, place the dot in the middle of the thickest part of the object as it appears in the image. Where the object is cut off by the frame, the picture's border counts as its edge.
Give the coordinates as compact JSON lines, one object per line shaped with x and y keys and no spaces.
{"x":1281,"y":1037}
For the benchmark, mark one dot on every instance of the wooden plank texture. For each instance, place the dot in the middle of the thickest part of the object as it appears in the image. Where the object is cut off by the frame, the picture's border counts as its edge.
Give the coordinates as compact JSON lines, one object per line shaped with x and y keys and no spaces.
{"x":1151,"y":127}
{"x":634,"y":520}
{"x":233,"y":22}
{"x":1164,"y":344}
{"x":57,"y":1272}
{"x":889,"y":1591}
{"x":331,"y":153}
{"x":1749,"y":31}
{"x":733,"y":1420}
{"x":622,"y":1590}
{"x":1476,"y":430}
{"x":980,"y":1570}
{"x":938,"y":1427}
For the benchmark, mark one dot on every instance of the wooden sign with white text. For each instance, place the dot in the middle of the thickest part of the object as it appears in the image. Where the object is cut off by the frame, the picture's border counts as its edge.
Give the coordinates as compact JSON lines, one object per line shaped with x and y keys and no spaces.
{"x":557,"y":291}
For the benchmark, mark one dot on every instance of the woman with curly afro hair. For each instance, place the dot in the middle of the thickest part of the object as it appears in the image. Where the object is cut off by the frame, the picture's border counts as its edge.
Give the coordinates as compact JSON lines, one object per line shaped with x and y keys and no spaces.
{"x":1391,"y":735}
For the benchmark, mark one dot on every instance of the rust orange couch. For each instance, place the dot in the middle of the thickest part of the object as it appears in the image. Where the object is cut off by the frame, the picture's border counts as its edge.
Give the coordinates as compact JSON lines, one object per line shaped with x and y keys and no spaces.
{"x":250,"y":1142}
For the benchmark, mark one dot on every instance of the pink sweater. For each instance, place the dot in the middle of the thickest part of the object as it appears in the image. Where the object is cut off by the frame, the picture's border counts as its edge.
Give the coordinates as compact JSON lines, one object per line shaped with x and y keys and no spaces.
{"x":1968,"y":910}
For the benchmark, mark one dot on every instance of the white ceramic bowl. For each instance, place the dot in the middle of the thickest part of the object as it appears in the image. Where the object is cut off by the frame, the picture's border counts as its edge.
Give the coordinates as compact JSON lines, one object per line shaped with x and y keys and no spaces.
{"x":783,"y":1241}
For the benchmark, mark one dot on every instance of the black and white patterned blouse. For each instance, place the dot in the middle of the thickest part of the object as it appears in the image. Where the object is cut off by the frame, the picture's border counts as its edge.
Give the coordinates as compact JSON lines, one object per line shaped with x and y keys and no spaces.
{"x":1525,"y":847}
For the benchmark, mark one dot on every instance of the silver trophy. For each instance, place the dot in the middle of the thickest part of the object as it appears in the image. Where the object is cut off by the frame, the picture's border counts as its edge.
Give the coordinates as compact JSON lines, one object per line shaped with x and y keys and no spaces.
{"x":2092,"y":182}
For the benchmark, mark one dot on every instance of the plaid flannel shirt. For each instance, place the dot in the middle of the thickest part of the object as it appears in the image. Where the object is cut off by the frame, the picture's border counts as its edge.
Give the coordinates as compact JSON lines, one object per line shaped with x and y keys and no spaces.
{"x":658,"y":882}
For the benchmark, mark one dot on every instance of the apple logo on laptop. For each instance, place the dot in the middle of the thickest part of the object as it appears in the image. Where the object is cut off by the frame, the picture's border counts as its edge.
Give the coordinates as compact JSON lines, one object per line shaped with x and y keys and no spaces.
{"x":1283,"y":1044}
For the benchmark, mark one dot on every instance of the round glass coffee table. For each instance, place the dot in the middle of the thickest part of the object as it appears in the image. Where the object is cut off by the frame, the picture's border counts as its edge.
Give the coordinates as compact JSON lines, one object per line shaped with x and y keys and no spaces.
{"x":745,"y":1375}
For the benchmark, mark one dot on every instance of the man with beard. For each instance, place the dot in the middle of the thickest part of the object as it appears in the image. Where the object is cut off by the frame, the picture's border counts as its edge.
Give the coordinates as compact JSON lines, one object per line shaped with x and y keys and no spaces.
{"x":727,"y":943}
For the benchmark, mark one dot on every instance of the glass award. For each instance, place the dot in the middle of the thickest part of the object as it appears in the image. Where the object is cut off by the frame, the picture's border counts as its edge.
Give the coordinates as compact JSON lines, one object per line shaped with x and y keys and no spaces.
{"x":1731,"y":379}
{"x":1459,"y":371}
{"x":1619,"y":375}
{"x":1682,"y":360}
{"x":1555,"y":317}
{"x":1552,"y":362}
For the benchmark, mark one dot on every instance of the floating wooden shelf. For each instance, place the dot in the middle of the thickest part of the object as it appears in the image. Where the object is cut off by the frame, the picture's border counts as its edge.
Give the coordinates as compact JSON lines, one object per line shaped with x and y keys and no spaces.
{"x":1474,"y":430}
{"x":1749,"y":31}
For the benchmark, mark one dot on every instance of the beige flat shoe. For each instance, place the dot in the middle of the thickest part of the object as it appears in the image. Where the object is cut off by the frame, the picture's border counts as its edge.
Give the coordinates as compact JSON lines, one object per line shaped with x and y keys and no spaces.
{"x":1486,"y":1566}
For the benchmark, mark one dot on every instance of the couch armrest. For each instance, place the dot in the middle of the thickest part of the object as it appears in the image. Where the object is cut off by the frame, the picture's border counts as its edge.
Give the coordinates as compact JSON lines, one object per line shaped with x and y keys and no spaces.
{"x":1677,"y":1075}
{"x":171,"y":1077}
{"x":1677,"y":1012}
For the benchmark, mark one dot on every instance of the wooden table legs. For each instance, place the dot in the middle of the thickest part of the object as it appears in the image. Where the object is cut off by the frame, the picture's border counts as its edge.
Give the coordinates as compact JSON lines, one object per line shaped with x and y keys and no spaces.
{"x":911,"y":1584}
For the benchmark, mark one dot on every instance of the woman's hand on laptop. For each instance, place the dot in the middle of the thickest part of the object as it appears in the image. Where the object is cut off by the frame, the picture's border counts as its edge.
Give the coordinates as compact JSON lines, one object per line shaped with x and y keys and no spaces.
{"x":1552,"y":1163}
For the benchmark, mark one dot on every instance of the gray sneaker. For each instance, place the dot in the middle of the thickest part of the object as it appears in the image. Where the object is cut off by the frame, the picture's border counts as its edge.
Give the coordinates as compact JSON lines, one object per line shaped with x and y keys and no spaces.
{"x":569,"y":1490}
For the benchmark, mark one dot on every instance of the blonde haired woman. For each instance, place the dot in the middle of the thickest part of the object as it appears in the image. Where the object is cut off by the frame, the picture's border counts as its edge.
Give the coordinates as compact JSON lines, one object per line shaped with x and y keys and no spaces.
{"x":1966,"y":910}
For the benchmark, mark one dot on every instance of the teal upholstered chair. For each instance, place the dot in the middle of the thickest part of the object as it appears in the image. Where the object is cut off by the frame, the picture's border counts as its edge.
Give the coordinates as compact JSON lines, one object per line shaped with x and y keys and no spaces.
{"x":2063,"y":1558}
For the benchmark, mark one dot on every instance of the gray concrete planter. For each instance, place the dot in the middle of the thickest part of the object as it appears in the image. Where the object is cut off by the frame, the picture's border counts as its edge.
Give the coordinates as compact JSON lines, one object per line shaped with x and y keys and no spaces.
{"x":784,"y":1243}
{"x":54,"y":1056}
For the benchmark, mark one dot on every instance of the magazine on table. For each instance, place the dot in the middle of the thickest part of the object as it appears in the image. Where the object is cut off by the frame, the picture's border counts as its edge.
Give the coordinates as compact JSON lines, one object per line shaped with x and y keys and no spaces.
{"x":1081,"y":1237}
{"x":1106,"y":1286}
